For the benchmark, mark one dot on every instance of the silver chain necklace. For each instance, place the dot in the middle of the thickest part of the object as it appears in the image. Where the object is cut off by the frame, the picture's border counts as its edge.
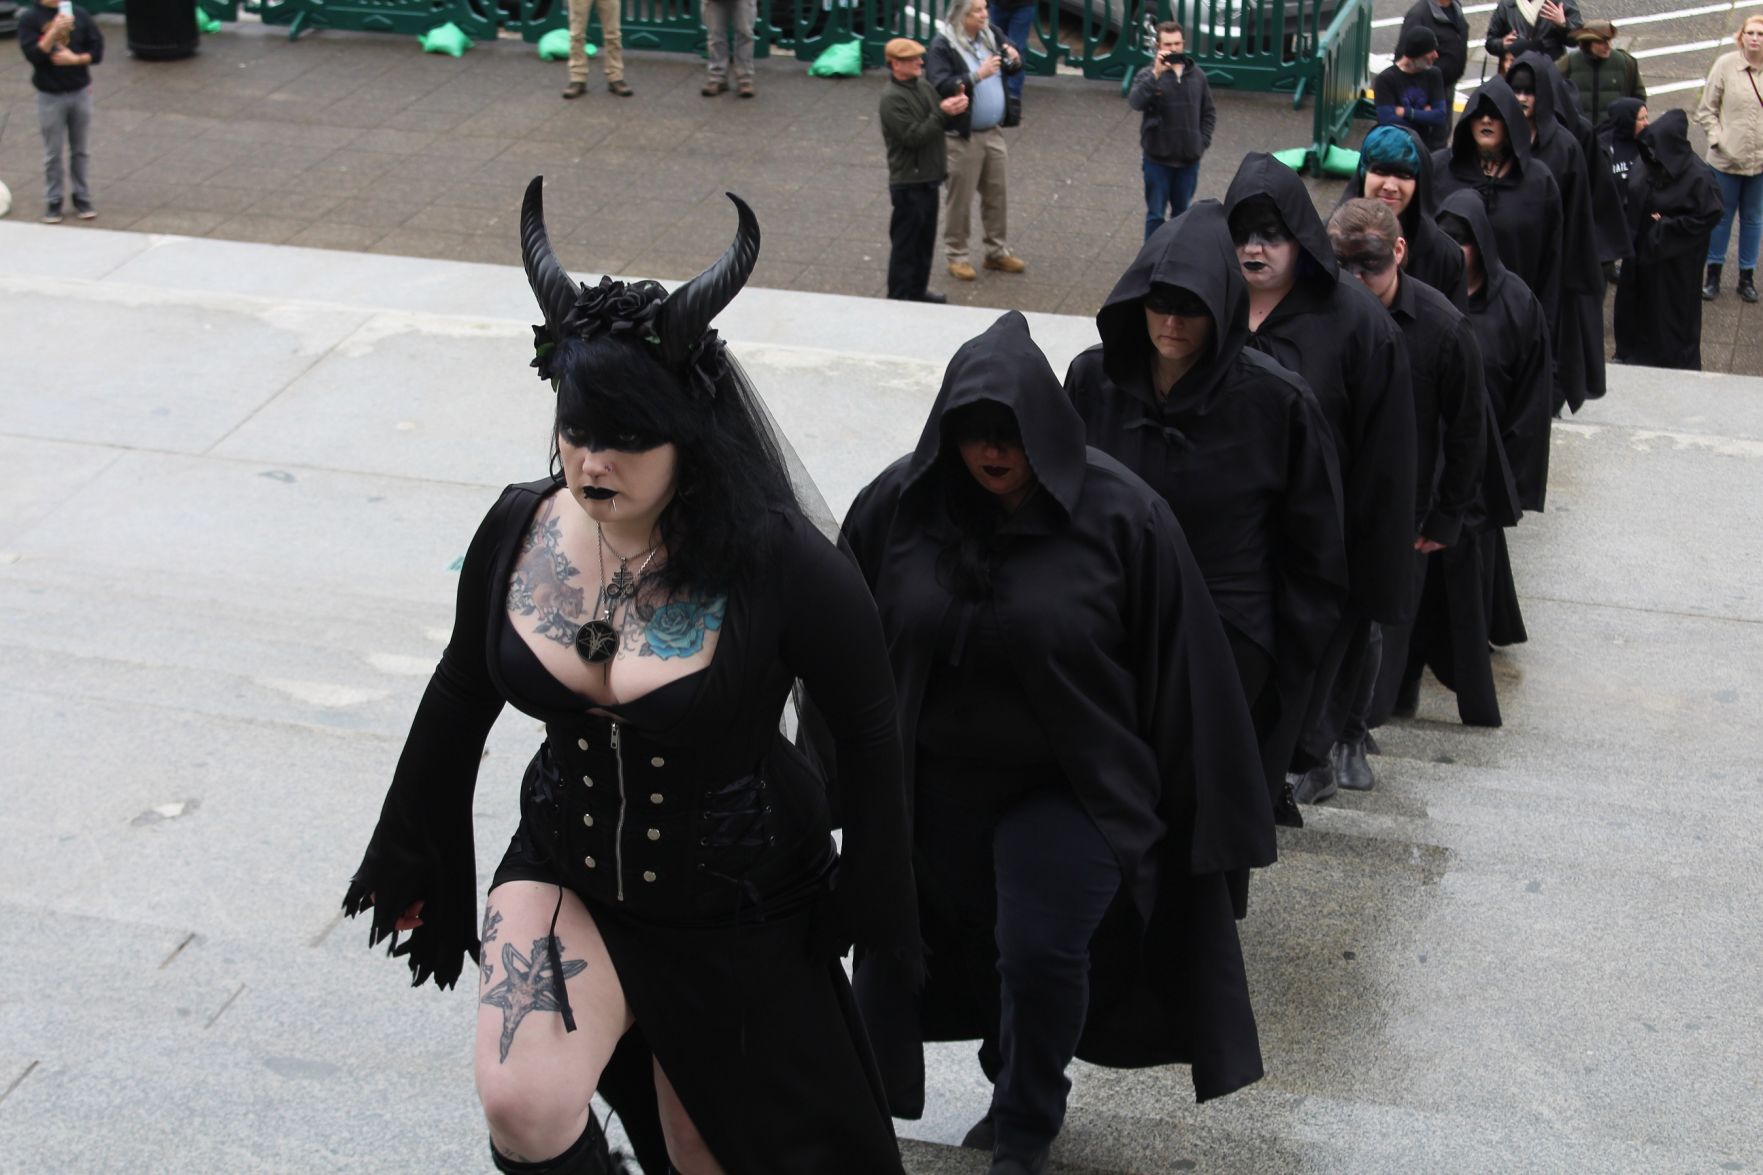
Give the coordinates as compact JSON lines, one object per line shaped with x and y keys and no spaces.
{"x":596,"y":641}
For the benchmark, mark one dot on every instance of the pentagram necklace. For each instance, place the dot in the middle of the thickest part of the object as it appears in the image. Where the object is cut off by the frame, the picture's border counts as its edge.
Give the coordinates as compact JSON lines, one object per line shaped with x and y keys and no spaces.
{"x":597,"y":641}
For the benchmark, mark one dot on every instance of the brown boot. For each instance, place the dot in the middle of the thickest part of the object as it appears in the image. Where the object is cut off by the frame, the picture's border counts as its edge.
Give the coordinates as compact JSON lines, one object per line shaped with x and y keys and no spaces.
{"x":574,"y":90}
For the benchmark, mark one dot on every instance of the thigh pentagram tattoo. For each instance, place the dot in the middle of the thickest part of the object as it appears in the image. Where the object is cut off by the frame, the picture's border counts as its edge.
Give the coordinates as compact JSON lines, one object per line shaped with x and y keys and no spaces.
{"x":527,"y":985}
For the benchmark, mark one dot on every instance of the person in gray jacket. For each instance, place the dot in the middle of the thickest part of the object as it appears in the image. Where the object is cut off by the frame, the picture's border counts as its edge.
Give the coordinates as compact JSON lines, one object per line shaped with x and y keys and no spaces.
{"x":1176,"y":129}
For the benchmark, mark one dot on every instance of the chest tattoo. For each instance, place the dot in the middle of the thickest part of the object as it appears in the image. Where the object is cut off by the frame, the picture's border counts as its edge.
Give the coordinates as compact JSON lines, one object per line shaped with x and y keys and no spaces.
{"x":677,"y":628}
{"x":543,"y":587}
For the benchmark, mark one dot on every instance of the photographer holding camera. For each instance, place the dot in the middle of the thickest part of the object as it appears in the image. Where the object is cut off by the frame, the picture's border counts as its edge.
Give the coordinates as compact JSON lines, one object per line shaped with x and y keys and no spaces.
{"x":61,"y":42}
{"x":1178,"y":117}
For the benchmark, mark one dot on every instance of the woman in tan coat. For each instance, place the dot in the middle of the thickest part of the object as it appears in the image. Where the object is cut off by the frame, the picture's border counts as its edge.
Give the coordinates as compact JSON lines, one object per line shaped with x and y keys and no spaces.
{"x":1731,"y":114}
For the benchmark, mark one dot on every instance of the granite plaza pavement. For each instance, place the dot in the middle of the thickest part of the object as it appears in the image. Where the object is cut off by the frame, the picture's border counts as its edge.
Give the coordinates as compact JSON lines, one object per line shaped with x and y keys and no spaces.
{"x":360,"y":142}
{"x":235,"y":481}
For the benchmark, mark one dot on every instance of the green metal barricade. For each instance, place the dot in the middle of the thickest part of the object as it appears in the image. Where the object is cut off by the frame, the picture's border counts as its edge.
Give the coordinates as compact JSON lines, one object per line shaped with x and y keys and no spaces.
{"x":1343,"y":57}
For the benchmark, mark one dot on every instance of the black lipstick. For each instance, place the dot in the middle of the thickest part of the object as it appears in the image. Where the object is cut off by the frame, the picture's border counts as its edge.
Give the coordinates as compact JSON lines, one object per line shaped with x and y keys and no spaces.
{"x":597,"y":493}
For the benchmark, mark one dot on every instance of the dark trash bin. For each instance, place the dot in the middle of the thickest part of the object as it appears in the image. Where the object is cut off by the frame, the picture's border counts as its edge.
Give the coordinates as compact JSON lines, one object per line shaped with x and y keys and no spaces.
{"x":161,"y":30}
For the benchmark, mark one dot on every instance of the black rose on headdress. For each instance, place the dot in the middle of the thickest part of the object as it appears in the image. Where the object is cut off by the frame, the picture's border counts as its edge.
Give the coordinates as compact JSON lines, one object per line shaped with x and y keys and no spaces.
{"x":617,"y":309}
{"x":708,"y":365}
{"x":543,"y":345}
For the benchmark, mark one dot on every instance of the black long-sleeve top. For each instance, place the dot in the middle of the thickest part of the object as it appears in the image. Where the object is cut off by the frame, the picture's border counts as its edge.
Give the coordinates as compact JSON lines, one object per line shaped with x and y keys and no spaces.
{"x":48,"y":77}
{"x":810,"y":619}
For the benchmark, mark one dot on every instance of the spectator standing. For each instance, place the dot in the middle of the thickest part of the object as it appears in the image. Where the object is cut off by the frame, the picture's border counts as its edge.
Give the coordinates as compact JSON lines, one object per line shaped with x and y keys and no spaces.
{"x":913,"y":119}
{"x":1450,"y":28}
{"x":1019,"y":20}
{"x":970,"y":56}
{"x":1731,"y":115}
{"x":62,"y":48}
{"x":611,"y":48}
{"x":726,"y":21}
{"x":1549,"y":24}
{"x":1176,"y":126}
{"x":1412,"y":92}
{"x":1601,"y":72}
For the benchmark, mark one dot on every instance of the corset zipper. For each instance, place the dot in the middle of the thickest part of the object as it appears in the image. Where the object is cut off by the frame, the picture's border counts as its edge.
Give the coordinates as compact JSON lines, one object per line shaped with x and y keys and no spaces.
{"x":618,"y":830}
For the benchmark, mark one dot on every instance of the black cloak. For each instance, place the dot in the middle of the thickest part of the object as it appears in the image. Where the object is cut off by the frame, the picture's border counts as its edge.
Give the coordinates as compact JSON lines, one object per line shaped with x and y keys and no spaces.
{"x":1432,"y":256}
{"x":1579,"y":317}
{"x":1658,"y":306}
{"x":1608,"y":227}
{"x":1118,"y":647}
{"x":1241,"y":453}
{"x":1523,"y":206}
{"x":1623,"y":155}
{"x":1338,"y":337}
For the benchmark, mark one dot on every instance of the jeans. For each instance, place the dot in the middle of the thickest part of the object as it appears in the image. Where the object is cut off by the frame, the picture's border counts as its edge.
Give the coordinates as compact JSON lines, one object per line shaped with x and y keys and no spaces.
{"x":1167,"y":187}
{"x":726,"y":20}
{"x":912,"y":232}
{"x":1742,"y":194}
{"x":66,"y":116}
{"x":1034,"y":869}
{"x":1018,"y":23}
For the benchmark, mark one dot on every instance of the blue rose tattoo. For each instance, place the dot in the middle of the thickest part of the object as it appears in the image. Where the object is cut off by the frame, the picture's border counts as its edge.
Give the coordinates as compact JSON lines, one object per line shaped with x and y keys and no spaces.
{"x":677,"y":629}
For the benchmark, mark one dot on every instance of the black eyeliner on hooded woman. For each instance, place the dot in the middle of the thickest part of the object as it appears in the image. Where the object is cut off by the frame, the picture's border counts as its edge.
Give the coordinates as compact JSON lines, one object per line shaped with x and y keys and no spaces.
{"x":1240,"y":450}
{"x":665,"y":924}
{"x":1087,"y":798}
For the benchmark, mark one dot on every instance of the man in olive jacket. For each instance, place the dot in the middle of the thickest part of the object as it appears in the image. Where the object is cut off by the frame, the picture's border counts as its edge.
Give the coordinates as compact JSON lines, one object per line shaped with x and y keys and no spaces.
{"x":913,"y":121}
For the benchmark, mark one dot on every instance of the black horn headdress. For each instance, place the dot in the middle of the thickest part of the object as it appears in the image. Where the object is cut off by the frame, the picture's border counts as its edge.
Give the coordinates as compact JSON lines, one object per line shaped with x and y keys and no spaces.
{"x":677,"y":325}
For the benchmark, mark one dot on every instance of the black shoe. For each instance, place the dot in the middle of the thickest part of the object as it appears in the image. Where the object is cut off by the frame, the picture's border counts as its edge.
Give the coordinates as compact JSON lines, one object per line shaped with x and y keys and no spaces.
{"x":1285,"y":806}
{"x":983,"y":1136}
{"x":1747,"y":286}
{"x":1035,"y":1164}
{"x":1314,"y":786}
{"x":1711,"y":285}
{"x":932,"y":297}
{"x":1346,"y":761}
{"x":1371,"y":747}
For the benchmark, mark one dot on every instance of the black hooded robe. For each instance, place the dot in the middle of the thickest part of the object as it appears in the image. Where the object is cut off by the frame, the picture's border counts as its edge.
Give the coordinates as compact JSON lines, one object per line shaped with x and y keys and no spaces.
{"x":1512,"y":333}
{"x":1432,"y":256}
{"x":1117,"y":645}
{"x":1658,"y":303}
{"x":1523,"y":206}
{"x":1241,"y":453}
{"x":1608,"y":224}
{"x":1622,"y":152}
{"x":1579,"y":318}
{"x":1339,"y":338}
{"x":1451,"y":431}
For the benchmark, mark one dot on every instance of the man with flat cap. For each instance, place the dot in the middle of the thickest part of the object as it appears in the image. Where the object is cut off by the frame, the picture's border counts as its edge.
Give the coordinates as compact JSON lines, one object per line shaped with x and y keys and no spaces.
{"x":913,"y":121}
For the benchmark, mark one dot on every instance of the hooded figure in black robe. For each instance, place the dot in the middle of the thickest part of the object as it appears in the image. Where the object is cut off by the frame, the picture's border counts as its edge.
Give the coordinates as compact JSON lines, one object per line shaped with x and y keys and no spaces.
{"x":1608,"y":225}
{"x":1512,"y":334}
{"x":1675,"y":203}
{"x":1523,"y":202}
{"x":1432,"y":257}
{"x":1082,"y":613}
{"x":1335,"y":335}
{"x":1579,"y":317}
{"x":1241,"y":452}
{"x":1450,"y":416}
{"x":1617,"y":135}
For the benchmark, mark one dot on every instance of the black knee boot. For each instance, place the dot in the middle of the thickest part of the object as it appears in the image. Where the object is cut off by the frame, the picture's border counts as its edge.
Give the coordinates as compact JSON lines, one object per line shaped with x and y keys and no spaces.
{"x":1711,"y":285}
{"x":588,"y":1155}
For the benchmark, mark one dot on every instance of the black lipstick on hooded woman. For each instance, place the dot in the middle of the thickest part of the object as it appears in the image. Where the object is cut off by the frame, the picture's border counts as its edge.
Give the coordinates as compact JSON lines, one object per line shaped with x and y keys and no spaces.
{"x":1240,"y":450}
{"x":1087,"y":800}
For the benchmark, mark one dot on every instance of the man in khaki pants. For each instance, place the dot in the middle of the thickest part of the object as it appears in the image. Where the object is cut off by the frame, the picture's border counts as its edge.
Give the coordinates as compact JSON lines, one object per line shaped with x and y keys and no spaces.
{"x":611,"y":53}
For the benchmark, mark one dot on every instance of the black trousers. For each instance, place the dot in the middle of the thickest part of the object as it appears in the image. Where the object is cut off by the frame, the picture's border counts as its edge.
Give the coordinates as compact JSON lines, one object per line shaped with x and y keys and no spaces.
{"x":912,"y":231}
{"x":1027,"y":876}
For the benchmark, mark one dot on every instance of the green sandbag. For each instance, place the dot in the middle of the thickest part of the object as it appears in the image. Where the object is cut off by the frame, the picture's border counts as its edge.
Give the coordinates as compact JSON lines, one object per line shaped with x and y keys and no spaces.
{"x":448,"y":38}
{"x":1341,"y":162}
{"x":839,"y":61}
{"x":205,"y":22}
{"x":554,"y":46}
{"x":1293,"y":157}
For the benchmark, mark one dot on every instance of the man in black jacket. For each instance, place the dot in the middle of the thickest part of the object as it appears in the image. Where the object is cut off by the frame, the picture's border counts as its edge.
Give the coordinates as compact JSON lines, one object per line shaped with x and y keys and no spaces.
{"x":913,"y":120}
{"x":1176,"y":128}
{"x":62,"y":47}
{"x":1553,"y":23}
{"x":969,"y":55}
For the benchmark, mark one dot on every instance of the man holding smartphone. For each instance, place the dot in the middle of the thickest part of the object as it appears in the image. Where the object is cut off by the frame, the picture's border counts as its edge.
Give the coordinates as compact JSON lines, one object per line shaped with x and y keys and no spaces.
{"x":1549,"y":23}
{"x":62,"y":43}
{"x":1176,"y":126}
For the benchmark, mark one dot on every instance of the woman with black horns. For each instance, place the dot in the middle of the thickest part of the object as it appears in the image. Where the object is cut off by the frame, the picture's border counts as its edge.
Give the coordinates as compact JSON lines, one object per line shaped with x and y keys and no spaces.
{"x":1088,"y":799}
{"x":1238,"y":447}
{"x":666,"y":921}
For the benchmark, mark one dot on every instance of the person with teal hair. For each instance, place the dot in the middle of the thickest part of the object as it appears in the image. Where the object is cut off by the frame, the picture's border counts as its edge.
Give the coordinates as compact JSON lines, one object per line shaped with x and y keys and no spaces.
{"x":1395,"y":168}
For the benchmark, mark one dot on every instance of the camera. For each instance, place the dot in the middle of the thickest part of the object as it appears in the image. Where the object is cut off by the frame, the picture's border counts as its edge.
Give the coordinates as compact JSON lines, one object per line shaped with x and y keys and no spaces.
{"x":1171,"y":58}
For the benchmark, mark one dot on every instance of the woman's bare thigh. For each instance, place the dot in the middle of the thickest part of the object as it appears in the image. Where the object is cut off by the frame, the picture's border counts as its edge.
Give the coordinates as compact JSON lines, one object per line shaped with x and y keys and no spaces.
{"x":534,"y":1078}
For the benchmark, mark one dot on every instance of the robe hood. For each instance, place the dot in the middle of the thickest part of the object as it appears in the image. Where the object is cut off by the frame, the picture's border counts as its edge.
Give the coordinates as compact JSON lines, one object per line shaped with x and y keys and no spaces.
{"x":1263,"y":175}
{"x":1666,"y":141}
{"x":1623,"y":113}
{"x":1426,"y":199}
{"x":1194,"y":252}
{"x":1498,"y":96}
{"x":1552,"y":116}
{"x":1005,"y":366}
{"x":1468,"y":205}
